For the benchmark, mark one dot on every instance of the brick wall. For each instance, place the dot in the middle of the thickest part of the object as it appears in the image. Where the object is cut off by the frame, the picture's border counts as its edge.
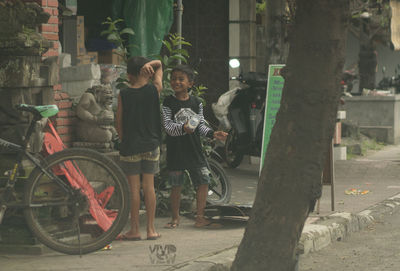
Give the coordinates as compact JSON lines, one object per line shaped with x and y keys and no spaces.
{"x":50,"y":30}
{"x":65,"y":119}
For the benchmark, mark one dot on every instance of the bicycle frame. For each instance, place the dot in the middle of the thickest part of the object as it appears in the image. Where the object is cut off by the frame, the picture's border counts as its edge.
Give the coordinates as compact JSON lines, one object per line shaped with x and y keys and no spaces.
{"x":21,"y":152}
{"x":59,"y":198}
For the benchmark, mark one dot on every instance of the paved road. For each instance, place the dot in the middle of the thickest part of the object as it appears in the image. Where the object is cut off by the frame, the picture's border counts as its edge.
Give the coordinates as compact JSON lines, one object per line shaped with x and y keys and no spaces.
{"x":189,"y":243}
{"x":244,"y":180}
{"x":374,"y":249}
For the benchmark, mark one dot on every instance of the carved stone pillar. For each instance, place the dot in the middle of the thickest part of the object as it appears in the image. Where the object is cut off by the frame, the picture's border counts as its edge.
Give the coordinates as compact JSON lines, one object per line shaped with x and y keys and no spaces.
{"x":23,"y":79}
{"x":21,"y":47}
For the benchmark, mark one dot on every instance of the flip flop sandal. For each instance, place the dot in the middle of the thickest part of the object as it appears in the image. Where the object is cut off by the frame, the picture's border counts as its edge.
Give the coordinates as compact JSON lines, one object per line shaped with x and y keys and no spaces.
{"x":208,"y":225}
{"x":123,"y":237}
{"x":171,"y":225}
{"x":154,"y":237}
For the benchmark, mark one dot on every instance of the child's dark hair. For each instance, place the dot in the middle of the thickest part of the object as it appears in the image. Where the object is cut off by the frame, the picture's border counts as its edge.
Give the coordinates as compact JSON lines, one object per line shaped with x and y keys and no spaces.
{"x":135,"y":64}
{"x":186,"y":69}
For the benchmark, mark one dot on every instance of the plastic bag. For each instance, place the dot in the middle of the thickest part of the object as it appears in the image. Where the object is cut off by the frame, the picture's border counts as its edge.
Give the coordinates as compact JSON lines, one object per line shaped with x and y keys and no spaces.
{"x":220,"y":108}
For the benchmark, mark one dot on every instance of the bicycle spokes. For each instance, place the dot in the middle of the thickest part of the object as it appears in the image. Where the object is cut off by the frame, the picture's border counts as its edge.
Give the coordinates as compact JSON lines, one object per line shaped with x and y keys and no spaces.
{"x":74,"y":175}
{"x":83,"y":215}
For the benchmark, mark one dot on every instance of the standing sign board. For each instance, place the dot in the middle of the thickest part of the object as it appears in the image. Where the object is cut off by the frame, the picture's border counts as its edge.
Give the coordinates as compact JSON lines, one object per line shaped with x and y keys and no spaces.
{"x":272,"y":104}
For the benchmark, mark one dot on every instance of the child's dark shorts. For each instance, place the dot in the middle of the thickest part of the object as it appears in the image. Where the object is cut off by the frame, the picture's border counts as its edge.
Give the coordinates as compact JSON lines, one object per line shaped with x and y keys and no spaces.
{"x":147,"y":162}
{"x":197,"y":175}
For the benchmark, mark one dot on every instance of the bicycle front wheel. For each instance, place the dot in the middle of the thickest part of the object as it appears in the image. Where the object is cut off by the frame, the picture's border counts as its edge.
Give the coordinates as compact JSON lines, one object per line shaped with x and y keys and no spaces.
{"x":78,"y":202}
{"x":219,"y":190}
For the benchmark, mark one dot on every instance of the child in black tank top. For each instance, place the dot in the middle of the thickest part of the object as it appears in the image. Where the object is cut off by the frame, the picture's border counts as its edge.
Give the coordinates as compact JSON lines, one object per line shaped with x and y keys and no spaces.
{"x":138,"y":127}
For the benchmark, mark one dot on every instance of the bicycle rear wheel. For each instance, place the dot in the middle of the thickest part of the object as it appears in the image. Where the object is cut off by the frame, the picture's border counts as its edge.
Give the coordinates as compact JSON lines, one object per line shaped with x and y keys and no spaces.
{"x":89,"y":213}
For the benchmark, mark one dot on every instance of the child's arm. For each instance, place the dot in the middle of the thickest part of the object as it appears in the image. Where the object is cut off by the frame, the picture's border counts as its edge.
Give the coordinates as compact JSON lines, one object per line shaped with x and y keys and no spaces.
{"x":206,"y":131}
{"x":171,"y":128}
{"x":119,"y":117}
{"x":154,"y":69}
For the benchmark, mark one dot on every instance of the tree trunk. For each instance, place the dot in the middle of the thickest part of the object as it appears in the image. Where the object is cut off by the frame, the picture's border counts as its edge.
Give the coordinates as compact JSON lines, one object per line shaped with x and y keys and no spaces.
{"x":367,"y":65}
{"x":290,"y":181}
{"x":276,"y":32}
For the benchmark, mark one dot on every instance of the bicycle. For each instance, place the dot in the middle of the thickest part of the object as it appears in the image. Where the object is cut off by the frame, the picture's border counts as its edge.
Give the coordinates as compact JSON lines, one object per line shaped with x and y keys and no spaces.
{"x":220,"y":188}
{"x":75,"y":201}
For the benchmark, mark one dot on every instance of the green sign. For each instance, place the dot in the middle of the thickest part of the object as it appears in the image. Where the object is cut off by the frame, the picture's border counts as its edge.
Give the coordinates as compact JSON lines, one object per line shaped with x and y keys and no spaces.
{"x":272,"y":104}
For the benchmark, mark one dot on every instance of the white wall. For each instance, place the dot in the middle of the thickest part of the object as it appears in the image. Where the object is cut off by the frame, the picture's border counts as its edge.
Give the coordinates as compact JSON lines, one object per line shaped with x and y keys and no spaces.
{"x":386,"y":57}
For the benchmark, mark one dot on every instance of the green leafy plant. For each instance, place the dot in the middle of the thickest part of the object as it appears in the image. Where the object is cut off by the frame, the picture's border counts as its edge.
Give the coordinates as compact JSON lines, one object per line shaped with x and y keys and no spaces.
{"x":118,"y":37}
{"x":171,"y":59}
{"x":260,"y":7}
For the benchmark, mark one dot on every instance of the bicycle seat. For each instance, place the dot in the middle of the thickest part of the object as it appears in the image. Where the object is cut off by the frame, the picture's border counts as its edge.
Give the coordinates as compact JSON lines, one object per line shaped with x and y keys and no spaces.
{"x":44,"y":111}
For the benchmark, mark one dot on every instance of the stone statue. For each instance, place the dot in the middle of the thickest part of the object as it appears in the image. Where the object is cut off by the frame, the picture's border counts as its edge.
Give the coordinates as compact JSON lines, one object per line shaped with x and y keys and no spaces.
{"x":96,"y":118}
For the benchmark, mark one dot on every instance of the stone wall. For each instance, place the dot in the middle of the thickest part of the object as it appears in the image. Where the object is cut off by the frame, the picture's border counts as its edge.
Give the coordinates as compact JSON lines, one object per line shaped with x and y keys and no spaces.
{"x":376,"y":116}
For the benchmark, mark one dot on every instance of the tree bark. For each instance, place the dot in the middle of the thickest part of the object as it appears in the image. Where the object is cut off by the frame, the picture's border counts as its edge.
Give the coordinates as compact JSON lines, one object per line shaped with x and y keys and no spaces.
{"x":367,"y":65}
{"x":276,"y":32}
{"x":290,"y":181}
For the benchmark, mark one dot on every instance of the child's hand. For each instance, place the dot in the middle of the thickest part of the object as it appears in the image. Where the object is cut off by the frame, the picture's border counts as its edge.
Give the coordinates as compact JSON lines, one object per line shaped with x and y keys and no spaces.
{"x":187,"y":129}
{"x":147,"y":70}
{"x":220,"y":135}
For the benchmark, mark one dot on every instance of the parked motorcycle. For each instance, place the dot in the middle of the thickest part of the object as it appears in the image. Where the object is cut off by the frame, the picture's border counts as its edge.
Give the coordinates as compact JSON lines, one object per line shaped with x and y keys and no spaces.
{"x":390,"y":82}
{"x":241,"y":112}
{"x":347,"y":82}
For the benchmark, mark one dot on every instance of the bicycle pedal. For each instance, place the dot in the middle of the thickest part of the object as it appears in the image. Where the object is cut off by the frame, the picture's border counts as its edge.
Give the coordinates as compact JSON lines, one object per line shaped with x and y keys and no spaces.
{"x":107,"y":247}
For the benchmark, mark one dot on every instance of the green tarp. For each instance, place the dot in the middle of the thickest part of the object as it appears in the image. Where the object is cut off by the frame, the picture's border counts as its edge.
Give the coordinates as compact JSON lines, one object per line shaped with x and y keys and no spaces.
{"x":151,"y":20}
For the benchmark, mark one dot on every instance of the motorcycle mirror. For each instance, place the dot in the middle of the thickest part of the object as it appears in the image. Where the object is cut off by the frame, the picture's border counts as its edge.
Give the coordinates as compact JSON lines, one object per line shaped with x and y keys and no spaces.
{"x":234,"y":63}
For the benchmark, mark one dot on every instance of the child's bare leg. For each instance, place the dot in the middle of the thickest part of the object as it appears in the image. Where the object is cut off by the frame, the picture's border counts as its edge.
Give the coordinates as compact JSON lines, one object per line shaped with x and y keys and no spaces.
{"x":175,"y":203}
{"x":134,"y":181}
{"x":201,"y":198}
{"x":150,"y":202}
{"x":201,"y":221}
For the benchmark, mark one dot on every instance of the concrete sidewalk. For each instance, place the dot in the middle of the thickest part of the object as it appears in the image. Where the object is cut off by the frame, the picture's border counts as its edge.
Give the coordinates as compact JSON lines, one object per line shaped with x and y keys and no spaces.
{"x":188,"y":248}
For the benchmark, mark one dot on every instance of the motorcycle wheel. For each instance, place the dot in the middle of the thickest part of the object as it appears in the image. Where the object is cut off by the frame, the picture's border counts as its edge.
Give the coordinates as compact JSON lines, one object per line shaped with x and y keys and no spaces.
{"x":220,"y":189}
{"x":233,"y":157}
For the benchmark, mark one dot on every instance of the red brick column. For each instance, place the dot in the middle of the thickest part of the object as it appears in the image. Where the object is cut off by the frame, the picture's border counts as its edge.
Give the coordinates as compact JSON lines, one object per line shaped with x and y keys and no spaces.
{"x":65,"y":119}
{"x":50,"y":30}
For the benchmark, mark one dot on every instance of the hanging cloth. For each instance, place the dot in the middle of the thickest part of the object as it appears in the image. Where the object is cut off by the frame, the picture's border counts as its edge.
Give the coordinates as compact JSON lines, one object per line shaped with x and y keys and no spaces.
{"x":151,"y":20}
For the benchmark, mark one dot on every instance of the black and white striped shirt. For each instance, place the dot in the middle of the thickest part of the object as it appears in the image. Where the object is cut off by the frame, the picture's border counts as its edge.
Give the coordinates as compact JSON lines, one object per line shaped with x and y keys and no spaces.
{"x":175,"y":128}
{"x":184,"y":150}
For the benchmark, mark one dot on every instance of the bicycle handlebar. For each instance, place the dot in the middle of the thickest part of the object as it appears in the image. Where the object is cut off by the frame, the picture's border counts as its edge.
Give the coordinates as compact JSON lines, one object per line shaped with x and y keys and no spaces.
{"x":25,"y":107}
{"x":28,"y":108}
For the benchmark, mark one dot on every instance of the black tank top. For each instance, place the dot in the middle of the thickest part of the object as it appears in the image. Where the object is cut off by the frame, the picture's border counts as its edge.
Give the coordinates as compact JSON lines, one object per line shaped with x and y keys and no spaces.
{"x":141,"y":120}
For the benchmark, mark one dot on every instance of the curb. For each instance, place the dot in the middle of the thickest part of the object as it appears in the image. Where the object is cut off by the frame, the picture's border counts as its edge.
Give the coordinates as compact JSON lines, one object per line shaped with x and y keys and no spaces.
{"x":315,"y":236}
{"x":338,"y":226}
{"x":217,"y":261}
